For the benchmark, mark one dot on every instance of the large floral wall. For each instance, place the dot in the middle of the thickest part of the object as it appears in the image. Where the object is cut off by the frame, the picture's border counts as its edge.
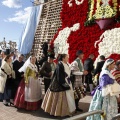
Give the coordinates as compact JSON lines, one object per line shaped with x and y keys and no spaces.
{"x":74,"y":15}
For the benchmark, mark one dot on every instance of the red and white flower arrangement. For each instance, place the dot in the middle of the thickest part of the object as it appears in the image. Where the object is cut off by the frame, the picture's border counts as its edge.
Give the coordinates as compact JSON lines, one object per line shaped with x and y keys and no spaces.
{"x":76,"y":1}
{"x":61,"y":45}
{"x":85,"y":37}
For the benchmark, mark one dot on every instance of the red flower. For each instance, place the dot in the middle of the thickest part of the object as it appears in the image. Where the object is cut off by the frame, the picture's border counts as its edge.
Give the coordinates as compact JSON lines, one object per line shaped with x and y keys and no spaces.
{"x":85,"y":37}
{"x":111,"y":3}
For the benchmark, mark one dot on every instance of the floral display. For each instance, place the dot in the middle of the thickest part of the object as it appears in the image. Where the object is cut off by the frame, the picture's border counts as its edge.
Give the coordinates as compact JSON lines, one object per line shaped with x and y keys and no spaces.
{"x":102,"y":9}
{"x":104,"y":12}
{"x":84,"y":37}
{"x":60,"y":43}
{"x":109,"y":43}
{"x":76,"y":1}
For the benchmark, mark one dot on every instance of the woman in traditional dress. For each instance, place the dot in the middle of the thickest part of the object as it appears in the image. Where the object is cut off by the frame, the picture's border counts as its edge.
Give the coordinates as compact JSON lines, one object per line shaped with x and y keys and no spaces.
{"x":105,"y":97}
{"x":8,"y":76}
{"x":29,"y":92}
{"x":59,"y":98}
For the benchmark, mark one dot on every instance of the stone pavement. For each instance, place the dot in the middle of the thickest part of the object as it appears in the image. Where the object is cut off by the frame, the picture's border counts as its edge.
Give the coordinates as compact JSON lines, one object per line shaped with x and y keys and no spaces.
{"x":12,"y":113}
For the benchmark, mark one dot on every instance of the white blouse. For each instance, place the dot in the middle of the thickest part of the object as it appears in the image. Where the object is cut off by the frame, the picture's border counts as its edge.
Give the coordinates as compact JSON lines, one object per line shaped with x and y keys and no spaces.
{"x":66,"y":68}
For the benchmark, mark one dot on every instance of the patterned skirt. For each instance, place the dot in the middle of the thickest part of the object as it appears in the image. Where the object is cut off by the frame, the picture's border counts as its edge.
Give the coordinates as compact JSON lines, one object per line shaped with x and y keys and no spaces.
{"x":55,"y":103}
{"x":20,"y":102}
{"x":96,"y":104}
{"x":79,"y":88}
{"x":79,"y":92}
{"x":110,"y":106}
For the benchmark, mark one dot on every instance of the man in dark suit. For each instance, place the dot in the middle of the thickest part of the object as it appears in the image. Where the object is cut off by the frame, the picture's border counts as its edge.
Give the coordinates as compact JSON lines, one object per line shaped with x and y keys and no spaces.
{"x":88,"y":66}
{"x":99,"y":67}
{"x":17,"y":64}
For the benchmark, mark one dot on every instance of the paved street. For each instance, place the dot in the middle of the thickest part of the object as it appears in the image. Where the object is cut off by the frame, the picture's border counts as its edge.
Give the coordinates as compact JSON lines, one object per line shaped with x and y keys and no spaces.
{"x":12,"y":113}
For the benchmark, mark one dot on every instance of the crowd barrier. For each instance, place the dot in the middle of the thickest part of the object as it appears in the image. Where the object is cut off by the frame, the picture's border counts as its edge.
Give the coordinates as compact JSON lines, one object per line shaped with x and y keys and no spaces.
{"x":84,"y":115}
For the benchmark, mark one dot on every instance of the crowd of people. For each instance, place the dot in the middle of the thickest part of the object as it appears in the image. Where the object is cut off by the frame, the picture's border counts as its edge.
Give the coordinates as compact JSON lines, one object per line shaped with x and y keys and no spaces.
{"x":65,"y":83}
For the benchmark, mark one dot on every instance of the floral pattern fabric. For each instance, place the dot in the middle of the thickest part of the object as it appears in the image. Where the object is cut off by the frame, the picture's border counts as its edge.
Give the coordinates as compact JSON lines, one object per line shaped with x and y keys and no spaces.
{"x":110,"y":106}
{"x":96,"y":104}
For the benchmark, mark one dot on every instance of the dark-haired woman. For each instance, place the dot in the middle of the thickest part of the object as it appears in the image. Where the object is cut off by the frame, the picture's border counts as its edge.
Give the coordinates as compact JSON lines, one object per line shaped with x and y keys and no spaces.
{"x":8,"y":74}
{"x":59,"y":98}
{"x":29,"y":91}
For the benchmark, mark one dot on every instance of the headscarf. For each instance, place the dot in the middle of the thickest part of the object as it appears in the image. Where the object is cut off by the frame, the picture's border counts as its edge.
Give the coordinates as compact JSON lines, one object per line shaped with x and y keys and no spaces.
{"x":104,"y":68}
{"x":107,"y":63}
{"x":24,"y":67}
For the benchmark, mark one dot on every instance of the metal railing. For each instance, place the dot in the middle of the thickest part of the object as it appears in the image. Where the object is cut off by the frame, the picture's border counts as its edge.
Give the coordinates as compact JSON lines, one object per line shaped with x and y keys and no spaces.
{"x":84,"y":115}
{"x":117,"y":116}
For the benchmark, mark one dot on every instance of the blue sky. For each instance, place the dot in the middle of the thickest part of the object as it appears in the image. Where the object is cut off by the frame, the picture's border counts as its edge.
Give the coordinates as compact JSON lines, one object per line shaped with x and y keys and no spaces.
{"x":13,"y":16}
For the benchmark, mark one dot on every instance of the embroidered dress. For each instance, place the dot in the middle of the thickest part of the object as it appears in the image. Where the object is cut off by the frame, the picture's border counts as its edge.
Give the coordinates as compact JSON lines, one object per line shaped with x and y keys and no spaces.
{"x":96,"y":104}
{"x":107,"y":98}
{"x":33,"y":90}
{"x":59,"y":102}
{"x":29,"y":97}
{"x":110,"y":106}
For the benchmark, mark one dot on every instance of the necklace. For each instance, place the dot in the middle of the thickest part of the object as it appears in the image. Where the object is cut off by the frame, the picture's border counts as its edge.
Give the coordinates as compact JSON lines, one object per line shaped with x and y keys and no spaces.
{"x":34,"y":67}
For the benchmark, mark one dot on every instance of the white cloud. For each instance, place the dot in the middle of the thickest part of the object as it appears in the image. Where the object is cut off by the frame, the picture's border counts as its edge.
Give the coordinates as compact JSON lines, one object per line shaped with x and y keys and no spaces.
{"x":12,"y":3}
{"x":20,"y":16}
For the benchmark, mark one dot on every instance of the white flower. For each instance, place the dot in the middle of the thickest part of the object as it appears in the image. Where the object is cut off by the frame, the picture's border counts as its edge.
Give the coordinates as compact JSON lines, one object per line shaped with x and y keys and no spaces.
{"x":110,"y":42}
{"x":76,"y":1}
{"x":60,"y":44}
{"x":69,"y":3}
{"x":75,"y":27}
